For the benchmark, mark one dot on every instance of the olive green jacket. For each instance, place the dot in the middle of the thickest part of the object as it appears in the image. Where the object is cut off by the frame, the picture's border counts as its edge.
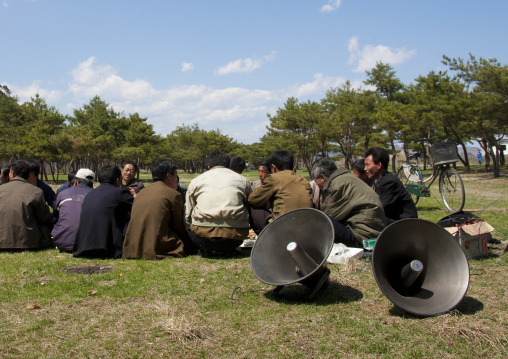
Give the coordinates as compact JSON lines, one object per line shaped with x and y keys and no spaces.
{"x":354,"y":204}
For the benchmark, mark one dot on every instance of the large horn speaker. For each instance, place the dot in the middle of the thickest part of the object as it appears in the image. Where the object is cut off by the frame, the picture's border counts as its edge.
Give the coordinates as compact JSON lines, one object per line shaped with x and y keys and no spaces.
{"x":420,"y":268}
{"x":294,"y":248}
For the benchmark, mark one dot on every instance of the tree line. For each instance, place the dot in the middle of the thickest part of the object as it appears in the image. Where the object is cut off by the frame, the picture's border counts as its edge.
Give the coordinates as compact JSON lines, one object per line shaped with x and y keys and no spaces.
{"x":468,"y":104}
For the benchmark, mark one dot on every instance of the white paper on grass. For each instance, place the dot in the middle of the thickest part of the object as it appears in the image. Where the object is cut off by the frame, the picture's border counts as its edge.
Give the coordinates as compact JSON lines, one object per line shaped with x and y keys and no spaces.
{"x":341,"y":253}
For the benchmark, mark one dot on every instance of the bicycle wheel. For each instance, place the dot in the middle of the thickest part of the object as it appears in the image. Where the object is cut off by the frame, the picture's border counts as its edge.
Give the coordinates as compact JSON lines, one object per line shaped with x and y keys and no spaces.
{"x":405,"y":172}
{"x":411,"y":171}
{"x":452,"y":189}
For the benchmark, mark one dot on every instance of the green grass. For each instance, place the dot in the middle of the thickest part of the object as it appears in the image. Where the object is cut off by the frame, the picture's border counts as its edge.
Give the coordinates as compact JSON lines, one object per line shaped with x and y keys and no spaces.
{"x":216,"y":308}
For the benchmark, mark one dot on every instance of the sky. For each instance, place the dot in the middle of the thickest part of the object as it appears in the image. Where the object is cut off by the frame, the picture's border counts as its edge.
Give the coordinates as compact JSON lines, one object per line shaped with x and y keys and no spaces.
{"x":227,"y":64}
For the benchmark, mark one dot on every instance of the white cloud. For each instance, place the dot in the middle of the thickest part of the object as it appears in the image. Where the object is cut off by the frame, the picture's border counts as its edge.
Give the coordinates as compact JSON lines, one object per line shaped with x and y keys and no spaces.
{"x":245,"y":65}
{"x":331,"y":6}
{"x":367,"y":57}
{"x":5,"y":4}
{"x":238,"y":112}
{"x":26,"y":93}
{"x":187,"y":66}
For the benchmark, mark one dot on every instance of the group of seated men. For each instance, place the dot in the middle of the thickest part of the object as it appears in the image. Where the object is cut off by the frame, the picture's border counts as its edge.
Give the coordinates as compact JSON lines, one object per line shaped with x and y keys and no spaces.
{"x":123,"y":219}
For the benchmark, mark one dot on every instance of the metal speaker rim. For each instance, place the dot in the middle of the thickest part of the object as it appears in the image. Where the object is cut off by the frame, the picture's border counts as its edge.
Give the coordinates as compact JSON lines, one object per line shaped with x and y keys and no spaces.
{"x":445,"y":278}
{"x":276,"y":251}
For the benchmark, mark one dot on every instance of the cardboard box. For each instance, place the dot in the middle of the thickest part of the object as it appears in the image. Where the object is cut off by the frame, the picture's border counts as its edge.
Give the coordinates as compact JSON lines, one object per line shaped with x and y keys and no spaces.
{"x":472,"y":238}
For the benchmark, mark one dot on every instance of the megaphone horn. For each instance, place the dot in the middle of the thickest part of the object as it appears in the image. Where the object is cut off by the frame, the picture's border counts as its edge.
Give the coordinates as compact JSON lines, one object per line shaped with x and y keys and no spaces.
{"x":294,"y":248}
{"x":420,"y":268}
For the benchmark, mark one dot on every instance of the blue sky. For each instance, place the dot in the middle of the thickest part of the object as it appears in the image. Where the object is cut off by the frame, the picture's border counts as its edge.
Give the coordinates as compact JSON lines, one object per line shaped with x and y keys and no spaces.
{"x":226,"y":64}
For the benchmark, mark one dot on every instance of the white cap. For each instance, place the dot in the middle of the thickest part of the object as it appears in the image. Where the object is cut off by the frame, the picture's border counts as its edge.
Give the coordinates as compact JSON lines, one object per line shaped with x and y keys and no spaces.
{"x":85,"y":173}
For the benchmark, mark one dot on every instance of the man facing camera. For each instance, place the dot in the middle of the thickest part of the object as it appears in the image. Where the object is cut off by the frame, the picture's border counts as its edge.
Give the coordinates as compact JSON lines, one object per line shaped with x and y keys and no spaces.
{"x":104,"y":217}
{"x":396,"y":200}
{"x":216,"y":206}
{"x":355,"y":209}
{"x":156,"y":229}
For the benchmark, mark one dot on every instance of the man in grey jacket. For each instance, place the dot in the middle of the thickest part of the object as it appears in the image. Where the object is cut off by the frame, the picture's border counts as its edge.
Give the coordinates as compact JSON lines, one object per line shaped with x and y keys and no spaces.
{"x":355,"y":209}
{"x":216,"y":207}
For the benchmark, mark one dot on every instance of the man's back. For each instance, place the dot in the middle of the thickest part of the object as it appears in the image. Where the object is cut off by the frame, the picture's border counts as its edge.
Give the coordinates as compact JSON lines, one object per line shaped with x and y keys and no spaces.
{"x":285,"y":190}
{"x":66,"y":212}
{"x":156,"y":228}
{"x":25,"y":220}
{"x":102,"y":222}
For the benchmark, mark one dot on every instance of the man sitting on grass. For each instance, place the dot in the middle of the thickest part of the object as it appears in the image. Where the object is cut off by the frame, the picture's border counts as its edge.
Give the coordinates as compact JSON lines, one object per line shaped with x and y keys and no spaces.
{"x":283,"y":189}
{"x":216,"y":206}
{"x":156,"y":229}
{"x":104,"y":217}
{"x":25,"y":220}
{"x":67,"y":209}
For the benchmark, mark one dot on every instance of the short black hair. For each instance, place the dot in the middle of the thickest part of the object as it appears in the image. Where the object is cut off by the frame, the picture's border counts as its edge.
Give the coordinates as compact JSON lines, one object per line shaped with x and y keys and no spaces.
{"x":282,"y":159}
{"x":109,"y":174}
{"x":378,"y":155}
{"x":217,"y":158}
{"x":359,"y":165}
{"x":84,"y":181}
{"x":71,"y":175}
{"x":128,"y":162}
{"x":323,"y":166}
{"x":5,"y":173}
{"x":237,"y":164}
{"x":266,"y":163}
{"x":21,"y":168}
{"x":161,"y":168}
{"x":35,"y":167}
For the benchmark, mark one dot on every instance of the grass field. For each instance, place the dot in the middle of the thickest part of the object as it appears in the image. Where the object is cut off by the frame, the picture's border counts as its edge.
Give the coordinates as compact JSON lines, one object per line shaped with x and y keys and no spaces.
{"x":53,"y":305}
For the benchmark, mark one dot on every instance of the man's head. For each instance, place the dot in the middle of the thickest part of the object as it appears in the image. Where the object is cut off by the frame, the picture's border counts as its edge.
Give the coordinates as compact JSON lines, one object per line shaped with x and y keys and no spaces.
{"x":217,"y":158}
{"x":237,"y":164}
{"x":264,"y":169}
{"x":359,"y":170}
{"x":376,"y":162}
{"x":84,"y":176}
{"x":71,"y":175}
{"x":164,"y":170}
{"x":4,"y":174}
{"x":129,"y":169}
{"x":281,"y":160}
{"x":21,"y":168}
{"x":110,"y":174}
{"x":35,"y":169}
{"x":322,"y":170}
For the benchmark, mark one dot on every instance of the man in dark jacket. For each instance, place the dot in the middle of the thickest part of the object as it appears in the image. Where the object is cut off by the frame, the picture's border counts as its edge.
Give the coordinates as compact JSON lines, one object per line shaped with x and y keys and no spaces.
{"x":25,"y":220}
{"x":355,"y":209}
{"x":104,"y":217}
{"x":67,"y":209}
{"x":396,"y":200}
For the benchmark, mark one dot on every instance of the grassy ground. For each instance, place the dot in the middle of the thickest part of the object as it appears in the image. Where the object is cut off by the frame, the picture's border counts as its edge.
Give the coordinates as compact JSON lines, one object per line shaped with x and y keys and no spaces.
{"x":54,"y":305}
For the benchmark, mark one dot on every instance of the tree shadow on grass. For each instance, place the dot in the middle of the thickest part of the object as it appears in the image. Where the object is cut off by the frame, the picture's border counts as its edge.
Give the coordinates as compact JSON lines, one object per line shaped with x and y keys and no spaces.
{"x":299,"y":294}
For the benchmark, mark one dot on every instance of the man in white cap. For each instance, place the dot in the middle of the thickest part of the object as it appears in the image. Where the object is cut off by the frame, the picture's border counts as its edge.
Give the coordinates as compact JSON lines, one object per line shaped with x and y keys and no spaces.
{"x":67,"y":209}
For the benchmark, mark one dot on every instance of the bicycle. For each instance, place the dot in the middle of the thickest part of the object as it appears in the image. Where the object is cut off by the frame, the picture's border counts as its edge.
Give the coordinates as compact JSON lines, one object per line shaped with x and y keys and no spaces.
{"x":451,"y":186}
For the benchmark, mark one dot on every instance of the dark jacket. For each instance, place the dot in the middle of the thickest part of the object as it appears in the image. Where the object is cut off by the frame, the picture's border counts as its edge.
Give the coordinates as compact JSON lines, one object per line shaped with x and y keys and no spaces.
{"x":66,"y":214}
{"x":25,"y":220}
{"x":49,"y":194}
{"x":102,"y":223}
{"x":352,"y":203}
{"x":285,"y":190}
{"x":396,"y":200}
{"x":156,"y":229}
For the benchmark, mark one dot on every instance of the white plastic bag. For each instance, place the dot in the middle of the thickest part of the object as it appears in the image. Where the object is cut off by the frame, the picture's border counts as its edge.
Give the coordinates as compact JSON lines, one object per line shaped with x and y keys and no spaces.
{"x":341,"y":253}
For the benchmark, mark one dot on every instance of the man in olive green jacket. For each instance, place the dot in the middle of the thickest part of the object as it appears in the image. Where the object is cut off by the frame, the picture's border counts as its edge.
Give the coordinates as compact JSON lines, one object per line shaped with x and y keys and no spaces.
{"x":355,"y":209}
{"x":283,"y":189}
